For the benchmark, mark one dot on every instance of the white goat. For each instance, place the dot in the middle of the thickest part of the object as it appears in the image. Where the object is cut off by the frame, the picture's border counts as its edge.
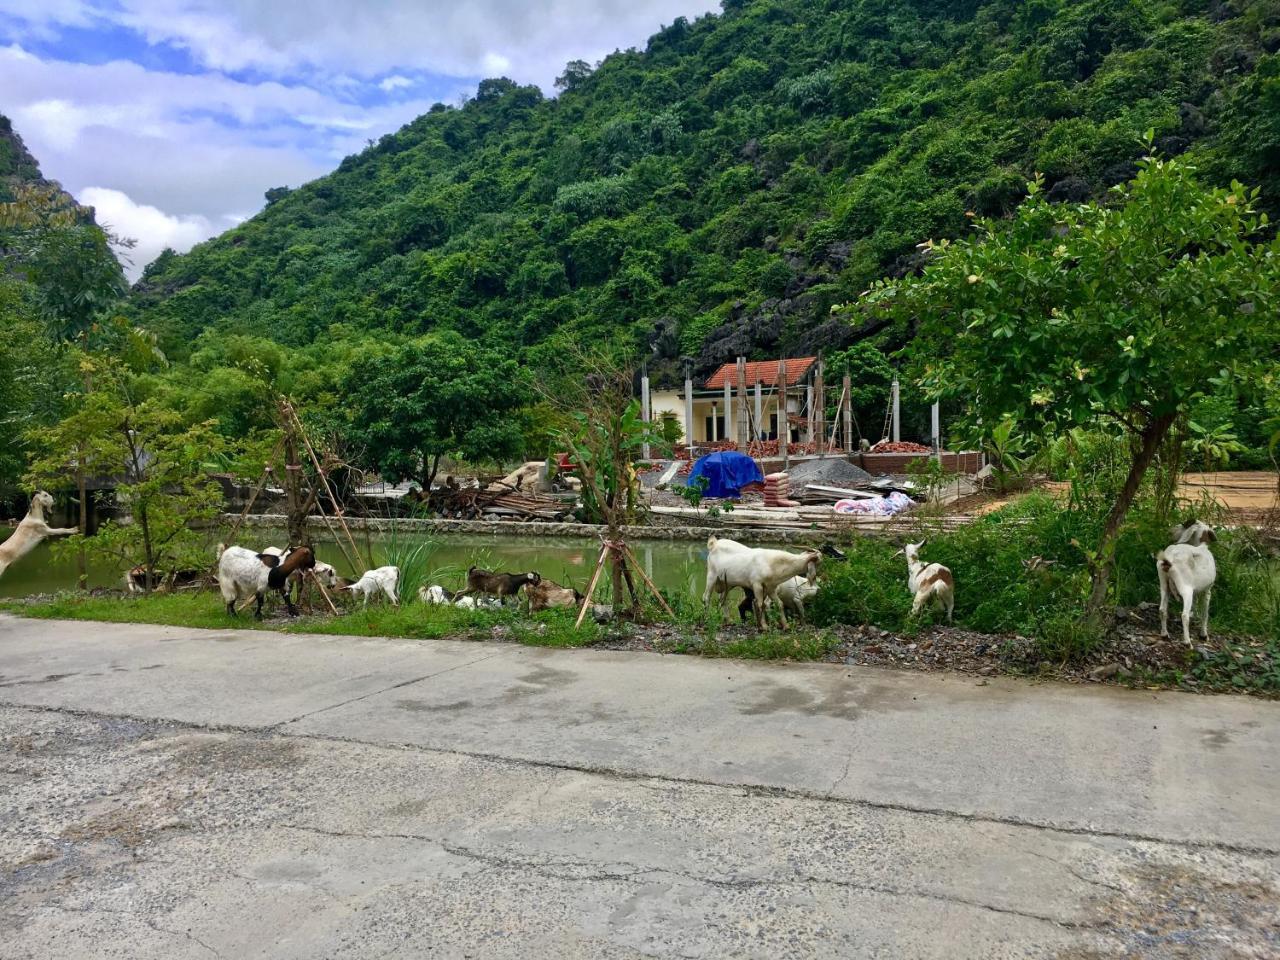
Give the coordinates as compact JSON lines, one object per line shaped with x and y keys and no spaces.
{"x":30,"y":532}
{"x":730,"y":564}
{"x":1194,"y":532}
{"x":435,"y":594}
{"x":386,"y":579}
{"x":793,"y":593}
{"x":928,"y":582}
{"x":243,"y":574}
{"x":478,"y":603}
{"x":1189,"y":570}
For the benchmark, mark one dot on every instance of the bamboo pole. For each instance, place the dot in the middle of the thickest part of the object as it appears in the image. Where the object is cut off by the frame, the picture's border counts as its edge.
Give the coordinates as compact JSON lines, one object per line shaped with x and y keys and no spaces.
{"x":591,"y":590}
{"x":253,"y":498}
{"x":315,"y":461}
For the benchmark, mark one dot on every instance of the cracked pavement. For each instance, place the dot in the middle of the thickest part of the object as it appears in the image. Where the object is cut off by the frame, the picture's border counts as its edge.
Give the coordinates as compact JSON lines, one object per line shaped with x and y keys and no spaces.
{"x":175,"y":793}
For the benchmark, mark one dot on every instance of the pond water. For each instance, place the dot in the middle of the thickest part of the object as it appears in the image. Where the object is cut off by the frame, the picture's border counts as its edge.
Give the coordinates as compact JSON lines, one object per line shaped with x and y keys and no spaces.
{"x":677,"y":565}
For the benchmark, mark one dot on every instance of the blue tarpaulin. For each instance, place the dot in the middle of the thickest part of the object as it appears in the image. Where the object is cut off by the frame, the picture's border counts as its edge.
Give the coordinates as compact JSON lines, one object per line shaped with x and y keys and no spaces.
{"x":726,"y":472}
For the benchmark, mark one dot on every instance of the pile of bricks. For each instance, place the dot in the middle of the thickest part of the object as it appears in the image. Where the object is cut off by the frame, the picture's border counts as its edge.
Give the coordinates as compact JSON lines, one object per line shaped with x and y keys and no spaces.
{"x":776,"y":489}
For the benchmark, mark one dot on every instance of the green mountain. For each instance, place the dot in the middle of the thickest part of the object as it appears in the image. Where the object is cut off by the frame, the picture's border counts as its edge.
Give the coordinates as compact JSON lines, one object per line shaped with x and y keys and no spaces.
{"x":719,"y":191}
{"x":17,"y":165}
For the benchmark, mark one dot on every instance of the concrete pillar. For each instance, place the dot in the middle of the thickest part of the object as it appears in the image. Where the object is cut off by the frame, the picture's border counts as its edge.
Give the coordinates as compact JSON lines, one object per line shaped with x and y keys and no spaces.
{"x":846,"y":411}
{"x":689,"y":410}
{"x":760,"y":431}
{"x":727,"y":432}
{"x":897,"y":412}
{"x":646,"y":412}
{"x":808,"y":402}
{"x":820,"y":406}
{"x":784,"y":422}
{"x":937,"y":431}
{"x":743,"y":427}
{"x":715,"y":424}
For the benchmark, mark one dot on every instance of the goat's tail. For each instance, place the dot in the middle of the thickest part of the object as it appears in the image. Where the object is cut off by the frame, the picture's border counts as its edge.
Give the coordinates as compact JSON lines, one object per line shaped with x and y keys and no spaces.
{"x":1163,"y":562}
{"x":220,"y":549}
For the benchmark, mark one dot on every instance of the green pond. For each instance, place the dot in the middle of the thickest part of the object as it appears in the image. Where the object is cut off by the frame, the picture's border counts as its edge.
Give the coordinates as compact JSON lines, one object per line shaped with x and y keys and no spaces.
{"x":677,"y":566}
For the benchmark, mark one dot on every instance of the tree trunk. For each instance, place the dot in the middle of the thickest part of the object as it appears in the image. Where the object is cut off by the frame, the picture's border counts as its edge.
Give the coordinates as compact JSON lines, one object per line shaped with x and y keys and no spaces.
{"x":82,"y":486}
{"x":149,"y":559}
{"x":1151,"y":437}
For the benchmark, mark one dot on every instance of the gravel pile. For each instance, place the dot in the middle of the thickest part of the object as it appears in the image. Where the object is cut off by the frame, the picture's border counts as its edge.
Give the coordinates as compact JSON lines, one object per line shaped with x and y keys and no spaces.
{"x":832,"y":472}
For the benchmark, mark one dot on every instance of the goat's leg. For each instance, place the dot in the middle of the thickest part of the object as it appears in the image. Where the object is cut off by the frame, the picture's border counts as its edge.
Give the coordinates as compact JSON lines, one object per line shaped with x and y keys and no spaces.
{"x":782,"y":609}
{"x":1188,"y":601}
{"x":257,"y":613}
{"x":706,"y":594}
{"x":231,"y":608}
{"x":391,"y":595}
{"x":289,"y":608}
{"x":1204,"y":617}
{"x":950,"y":599}
{"x":1164,"y":601}
{"x":918,"y":603}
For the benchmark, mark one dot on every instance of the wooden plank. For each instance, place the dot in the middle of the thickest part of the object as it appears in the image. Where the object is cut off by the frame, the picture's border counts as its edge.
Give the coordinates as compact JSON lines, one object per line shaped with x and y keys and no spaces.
{"x":842,"y":491}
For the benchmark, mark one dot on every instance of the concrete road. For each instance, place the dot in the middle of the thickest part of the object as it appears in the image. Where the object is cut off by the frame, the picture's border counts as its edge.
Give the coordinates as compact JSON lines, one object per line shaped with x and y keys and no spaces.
{"x":168,"y":793}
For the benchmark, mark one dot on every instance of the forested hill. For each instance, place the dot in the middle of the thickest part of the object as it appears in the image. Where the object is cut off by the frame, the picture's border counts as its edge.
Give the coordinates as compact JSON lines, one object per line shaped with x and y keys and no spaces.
{"x":718,"y":191}
{"x":17,"y":165}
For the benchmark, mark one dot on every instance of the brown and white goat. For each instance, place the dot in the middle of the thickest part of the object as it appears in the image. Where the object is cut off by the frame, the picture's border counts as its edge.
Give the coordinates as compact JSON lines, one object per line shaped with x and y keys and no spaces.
{"x":928,"y":582}
{"x":31,"y":531}
{"x":547,"y":595}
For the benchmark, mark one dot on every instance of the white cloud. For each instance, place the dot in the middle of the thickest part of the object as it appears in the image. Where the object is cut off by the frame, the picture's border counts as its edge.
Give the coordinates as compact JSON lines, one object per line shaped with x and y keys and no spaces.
{"x":152,"y":228}
{"x":395,"y":82}
{"x":177,"y":156}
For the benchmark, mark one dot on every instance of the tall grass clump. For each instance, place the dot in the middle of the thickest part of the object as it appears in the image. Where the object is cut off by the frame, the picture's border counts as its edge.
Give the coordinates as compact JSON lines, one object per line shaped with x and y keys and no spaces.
{"x":997,"y":593}
{"x":414,"y":558}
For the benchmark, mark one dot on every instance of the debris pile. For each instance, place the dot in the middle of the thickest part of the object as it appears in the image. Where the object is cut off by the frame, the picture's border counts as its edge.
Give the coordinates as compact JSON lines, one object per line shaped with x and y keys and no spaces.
{"x":900,"y":446}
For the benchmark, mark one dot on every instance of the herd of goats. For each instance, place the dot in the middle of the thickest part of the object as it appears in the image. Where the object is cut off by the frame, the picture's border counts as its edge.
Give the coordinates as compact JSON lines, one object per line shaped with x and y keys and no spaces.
{"x":767,"y":577}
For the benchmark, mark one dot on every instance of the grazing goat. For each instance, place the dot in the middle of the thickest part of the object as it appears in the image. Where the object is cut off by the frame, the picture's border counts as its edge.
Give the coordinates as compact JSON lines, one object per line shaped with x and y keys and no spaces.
{"x":928,"y":582}
{"x":547,"y":594}
{"x":31,"y":531}
{"x":1194,"y":532}
{"x":730,"y":564}
{"x":243,"y":574}
{"x":324,"y":572}
{"x":1189,"y":570}
{"x":500,"y":585}
{"x":793,"y":593}
{"x":386,"y":579}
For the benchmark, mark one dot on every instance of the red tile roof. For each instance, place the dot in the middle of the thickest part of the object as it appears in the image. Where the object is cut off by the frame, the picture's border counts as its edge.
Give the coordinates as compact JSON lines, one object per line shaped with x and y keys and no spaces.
{"x":763,"y":371}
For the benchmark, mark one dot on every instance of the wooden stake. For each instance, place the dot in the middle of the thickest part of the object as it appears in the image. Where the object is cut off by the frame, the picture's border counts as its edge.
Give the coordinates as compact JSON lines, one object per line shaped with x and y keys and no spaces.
{"x":324,"y":593}
{"x":595,"y":578}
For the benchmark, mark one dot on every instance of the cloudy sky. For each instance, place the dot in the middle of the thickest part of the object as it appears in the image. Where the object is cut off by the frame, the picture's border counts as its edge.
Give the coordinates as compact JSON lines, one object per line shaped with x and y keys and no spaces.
{"x":172,"y":117}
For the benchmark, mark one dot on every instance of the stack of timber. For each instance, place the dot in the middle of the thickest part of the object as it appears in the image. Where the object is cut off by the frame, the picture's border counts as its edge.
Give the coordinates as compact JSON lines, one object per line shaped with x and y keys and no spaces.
{"x":476,"y":504}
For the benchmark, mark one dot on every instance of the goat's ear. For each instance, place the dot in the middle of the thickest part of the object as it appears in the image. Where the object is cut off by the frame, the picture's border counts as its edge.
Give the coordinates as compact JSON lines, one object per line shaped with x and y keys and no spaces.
{"x":1208,"y":536}
{"x":269,"y":559}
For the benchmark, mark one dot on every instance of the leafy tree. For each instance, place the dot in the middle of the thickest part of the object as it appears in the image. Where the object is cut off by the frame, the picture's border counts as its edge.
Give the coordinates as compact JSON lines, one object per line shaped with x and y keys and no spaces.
{"x":1125,"y":311}
{"x":157,"y":461}
{"x":438,"y":396}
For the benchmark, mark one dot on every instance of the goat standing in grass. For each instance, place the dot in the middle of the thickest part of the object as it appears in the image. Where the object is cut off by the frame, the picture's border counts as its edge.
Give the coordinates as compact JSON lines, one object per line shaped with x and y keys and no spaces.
{"x":385,"y":580}
{"x":928,"y":582}
{"x":1189,"y":568}
{"x":730,"y":564}
{"x":31,"y":531}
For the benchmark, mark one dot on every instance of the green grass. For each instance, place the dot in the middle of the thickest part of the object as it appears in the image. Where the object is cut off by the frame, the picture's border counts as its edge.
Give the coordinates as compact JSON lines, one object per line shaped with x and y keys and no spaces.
{"x":417,"y":621}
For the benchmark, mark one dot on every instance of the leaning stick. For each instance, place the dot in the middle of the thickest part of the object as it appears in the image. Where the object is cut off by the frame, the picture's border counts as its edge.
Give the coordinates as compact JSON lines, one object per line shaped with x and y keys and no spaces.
{"x":323,"y":592}
{"x":595,"y":578}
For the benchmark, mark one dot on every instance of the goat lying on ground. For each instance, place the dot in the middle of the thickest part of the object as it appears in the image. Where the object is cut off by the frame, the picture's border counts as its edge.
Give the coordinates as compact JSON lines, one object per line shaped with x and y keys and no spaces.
{"x":731,"y":564}
{"x":547,"y":594}
{"x":385,"y":579}
{"x":435,"y":594}
{"x":1189,"y":570}
{"x":30,"y":531}
{"x":928,"y":582}
{"x":135,"y":581}
{"x":500,"y":585}
{"x":793,"y":593}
